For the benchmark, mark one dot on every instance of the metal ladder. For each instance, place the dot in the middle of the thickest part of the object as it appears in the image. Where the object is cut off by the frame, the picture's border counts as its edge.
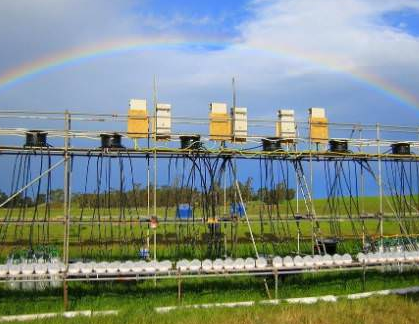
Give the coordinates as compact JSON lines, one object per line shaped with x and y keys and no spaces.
{"x":308,"y":202}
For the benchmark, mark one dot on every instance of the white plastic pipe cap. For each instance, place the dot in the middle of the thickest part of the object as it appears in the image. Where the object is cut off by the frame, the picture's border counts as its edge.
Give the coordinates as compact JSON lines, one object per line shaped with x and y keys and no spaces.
{"x":381,"y":257}
{"x":361,"y":257}
{"x":126,"y":267}
{"x":400,"y":257}
{"x":371,"y":257}
{"x":151,"y":267}
{"x":389,"y":257}
{"x":346,"y":259}
{"x":317,"y":260}
{"x":410,"y":256}
{"x":182,"y":265}
{"x":288,"y":262}
{"x":249,"y":263}
{"x":53,"y":268}
{"x":14,"y":269}
{"x":327,"y":260}
{"x":277,"y":262}
{"x":4,"y":269}
{"x":261,"y":263}
{"x":298,"y":261}
{"x":195,"y":265}
{"x":308,"y":261}
{"x":27,"y":269}
{"x":87,"y":268}
{"x":113,"y":267}
{"x":218,"y":264}
{"x":164,"y":266}
{"x":74,"y":268}
{"x":207,"y":265}
{"x":239,"y":264}
{"x":337,"y":259}
{"x":229,"y":264}
{"x":139,"y":266}
{"x":100,"y":267}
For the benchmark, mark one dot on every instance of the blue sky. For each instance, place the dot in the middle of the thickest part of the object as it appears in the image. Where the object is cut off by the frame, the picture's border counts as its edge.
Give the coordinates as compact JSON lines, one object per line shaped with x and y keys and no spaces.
{"x":405,"y":20}
{"x":283,"y":54}
{"x":218,"y":18}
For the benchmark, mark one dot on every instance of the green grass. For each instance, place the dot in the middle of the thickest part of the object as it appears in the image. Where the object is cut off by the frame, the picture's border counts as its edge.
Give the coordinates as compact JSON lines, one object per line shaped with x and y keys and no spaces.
{"x":136,"y":301}
{"x":367,"y":204}
{"x":271,"y":236}
{"x":389,"y":309}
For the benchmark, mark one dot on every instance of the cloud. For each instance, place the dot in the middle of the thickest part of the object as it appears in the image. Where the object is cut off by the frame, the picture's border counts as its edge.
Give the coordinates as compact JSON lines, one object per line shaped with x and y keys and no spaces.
{"x":287,"y":53}
{"x":346,"y":35}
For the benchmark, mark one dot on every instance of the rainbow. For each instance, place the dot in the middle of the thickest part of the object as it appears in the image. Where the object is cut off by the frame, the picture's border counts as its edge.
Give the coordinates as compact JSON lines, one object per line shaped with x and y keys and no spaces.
{"x":79,"y":54}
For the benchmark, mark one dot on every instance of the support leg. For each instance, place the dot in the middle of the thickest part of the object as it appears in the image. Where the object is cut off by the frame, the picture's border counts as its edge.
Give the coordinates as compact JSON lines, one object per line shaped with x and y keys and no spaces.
{"x":179,"y":289}
{"x":65,"y":295}
{"x":363,"y":278}
{"x":265,"y":282}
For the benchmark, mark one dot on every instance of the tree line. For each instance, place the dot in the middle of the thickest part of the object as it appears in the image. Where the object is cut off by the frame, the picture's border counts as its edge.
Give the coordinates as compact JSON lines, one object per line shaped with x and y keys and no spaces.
{"x":54,"y":197}
{"x":167,"y":196}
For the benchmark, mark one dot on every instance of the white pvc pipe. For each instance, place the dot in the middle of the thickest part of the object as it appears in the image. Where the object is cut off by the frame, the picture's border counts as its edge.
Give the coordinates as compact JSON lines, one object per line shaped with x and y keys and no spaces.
{"x":32,"y":317}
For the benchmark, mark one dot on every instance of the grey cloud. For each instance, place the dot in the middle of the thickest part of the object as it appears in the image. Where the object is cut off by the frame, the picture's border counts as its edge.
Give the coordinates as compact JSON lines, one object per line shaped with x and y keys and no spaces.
{"x":189,"y":80}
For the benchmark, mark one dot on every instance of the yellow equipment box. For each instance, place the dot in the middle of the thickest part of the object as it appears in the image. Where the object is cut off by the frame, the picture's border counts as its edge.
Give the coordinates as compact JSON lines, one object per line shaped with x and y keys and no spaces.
{"x":220,"y":124}
{"x":319,"y":130}
{"x":138,"y":123}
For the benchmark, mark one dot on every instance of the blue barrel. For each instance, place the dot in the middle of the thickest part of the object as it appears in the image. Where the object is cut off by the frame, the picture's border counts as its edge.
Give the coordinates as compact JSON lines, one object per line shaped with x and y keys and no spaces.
{"x":184,"y":211}
{"x":236,"y":209}
{"x":143,"y":253}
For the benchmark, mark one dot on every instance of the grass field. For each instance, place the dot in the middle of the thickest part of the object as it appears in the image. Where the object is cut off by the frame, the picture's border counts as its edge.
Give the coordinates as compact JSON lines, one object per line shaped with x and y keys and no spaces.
{"x":387,"y":310}
{"x":136,"y":301}
{"x":189,"y":240}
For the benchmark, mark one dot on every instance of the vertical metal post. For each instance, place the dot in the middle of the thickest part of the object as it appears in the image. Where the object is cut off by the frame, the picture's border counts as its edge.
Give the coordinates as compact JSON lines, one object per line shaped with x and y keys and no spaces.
{"x":155,"y":170}
{"x":298,"y":239}
{"x":362,"y":182}
{"x":276,"y":283}
{"x":362,"y":176}
{"x":363,"y":277}
{"x":380,"y":185}
{"x":67,"y":202}
{"x":233,"y":85}
{"x":225,"y":207}
{"x":65,"y":292}
{"x":311,"y":191}
{"x":297,"y":189}
{"x":225,"y":192}
{"x":179,"y":287}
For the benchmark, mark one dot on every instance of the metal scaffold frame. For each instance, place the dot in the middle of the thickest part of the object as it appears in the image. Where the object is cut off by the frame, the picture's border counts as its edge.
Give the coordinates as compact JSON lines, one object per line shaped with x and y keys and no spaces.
{"x":75,"y":145}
